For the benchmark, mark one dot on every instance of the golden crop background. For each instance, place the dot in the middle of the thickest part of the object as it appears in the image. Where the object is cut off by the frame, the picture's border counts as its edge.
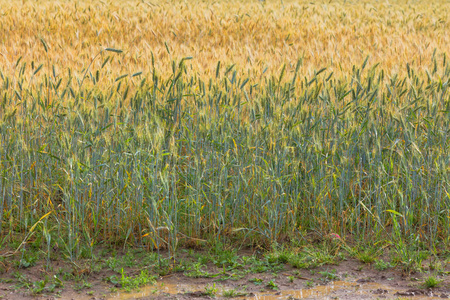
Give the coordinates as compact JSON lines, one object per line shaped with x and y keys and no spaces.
{"x":256,"y":36}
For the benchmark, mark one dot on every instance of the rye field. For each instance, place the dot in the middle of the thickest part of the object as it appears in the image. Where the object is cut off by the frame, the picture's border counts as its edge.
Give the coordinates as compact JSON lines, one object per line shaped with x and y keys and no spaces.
{"x":166,"y":125}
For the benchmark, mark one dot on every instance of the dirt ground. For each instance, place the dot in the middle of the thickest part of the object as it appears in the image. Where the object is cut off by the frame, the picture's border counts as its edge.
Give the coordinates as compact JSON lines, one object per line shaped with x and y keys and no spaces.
{"x":352,"y":282}
{"x":350,"y":279}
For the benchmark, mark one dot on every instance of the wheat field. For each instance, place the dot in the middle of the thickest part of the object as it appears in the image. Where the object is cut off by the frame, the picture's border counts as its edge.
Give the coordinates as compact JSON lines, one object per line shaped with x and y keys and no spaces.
{"x":165,"y":123}
{"x":254,"y":36}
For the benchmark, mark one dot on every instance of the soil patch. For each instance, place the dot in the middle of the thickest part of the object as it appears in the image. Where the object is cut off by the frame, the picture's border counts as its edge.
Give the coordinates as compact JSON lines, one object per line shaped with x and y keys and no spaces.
{"x":348,"y":279}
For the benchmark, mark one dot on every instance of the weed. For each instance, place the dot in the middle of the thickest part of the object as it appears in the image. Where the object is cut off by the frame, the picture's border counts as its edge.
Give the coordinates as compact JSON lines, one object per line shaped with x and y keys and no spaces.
{"x":272,"y":285}
{"x":436,"y":265}
{"x":309,"y":283}
{"x":39,"y":287}
{"x":28,"y":260}
{"x":112,"y":263}
{"x":129,"y":259}
{"x":312,"y":257}
{"x":82,"y":285}
{"x":195,"y":271}
{"x":256,"y":281}
{"x":431,"y":282}
{"x":129,"y":283}
{"x":22,"y":280}
{"x":382,"y":265}
{"x":211,"y":290}
{"x":57,"y":282}
{"x":278,"y":256}
{"x":68,"y":276}
{"x":367,"y":256}
{"x":232,"y":293}
{"x":329,"y":275}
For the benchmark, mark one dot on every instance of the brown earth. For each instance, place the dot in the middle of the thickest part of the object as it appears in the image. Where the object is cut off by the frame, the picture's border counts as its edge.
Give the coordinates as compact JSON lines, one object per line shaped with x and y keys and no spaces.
{"x":353,"y":280}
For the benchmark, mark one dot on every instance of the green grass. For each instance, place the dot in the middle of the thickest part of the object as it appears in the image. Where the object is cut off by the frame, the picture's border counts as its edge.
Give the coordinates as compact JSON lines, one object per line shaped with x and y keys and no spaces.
{"x":381,"y":265}
{"x":211,"y":290}
{"x":310,"y":283}
{"x":233,"y":293}
{"x":272,"y":285}
{"x":431,"y":282}
{"x":329,"y":276}
{"x":256,"y":281}
{"x":130,"y":283}
{"x":166,"y":161}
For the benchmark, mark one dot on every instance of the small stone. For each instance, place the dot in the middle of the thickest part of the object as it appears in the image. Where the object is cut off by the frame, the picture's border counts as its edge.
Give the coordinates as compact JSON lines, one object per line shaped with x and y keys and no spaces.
{"x":379,"y":292}
{"x":405,"y":294}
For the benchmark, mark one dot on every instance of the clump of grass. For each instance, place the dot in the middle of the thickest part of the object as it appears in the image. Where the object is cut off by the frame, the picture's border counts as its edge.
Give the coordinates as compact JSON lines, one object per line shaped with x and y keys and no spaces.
{"x":310,"y":283}
{"x":272,"y":285}
{"x":257,"y":281}
{"x":130,"y":283}
{"x":381,"y":265}
{"x":327,"y":275}
{"x":211,"y":290}
{"x":312,"y":257}
{"x":196,"y":271}
{"x":367,"y":254}
{"x":431,"y":282}
{"x":233,"y":293}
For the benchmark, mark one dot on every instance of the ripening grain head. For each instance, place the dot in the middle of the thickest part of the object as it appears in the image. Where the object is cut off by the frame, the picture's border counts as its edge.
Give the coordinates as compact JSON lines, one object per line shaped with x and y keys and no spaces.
{"x":254,"y":35}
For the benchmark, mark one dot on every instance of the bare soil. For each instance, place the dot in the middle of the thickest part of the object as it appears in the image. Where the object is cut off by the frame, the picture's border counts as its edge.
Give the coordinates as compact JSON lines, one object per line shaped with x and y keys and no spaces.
{"x":351,"y":280}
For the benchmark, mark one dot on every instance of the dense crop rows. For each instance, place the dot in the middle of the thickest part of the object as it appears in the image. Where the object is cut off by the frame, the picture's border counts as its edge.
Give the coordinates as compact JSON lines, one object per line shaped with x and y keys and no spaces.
{"x":96,"y":151}
{"x":251,"y":34}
